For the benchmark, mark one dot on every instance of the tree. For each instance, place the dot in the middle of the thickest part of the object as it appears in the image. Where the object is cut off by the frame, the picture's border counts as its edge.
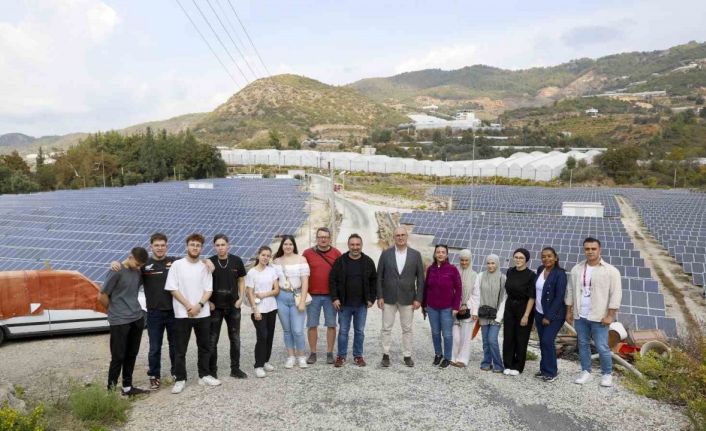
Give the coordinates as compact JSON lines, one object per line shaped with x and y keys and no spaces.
{"x":274,"y":140}
{"x":571,"y":163}
{"x":40,"y":159}
{"x":15,"y":162}
{"x":294,"y":144}
{"x":620,"y":163}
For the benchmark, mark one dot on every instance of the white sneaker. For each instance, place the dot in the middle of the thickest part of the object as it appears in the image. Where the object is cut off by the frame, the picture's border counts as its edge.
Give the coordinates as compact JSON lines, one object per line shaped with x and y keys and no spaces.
{"x":514,"y":373}
{"x":209,"y":381}
{"x":290,"y":362}
{"x":302,"y":362}
{"x":607,"y":380}
{"x":584,"y":377}
{"x":269,"y":367}
{"x":506,"y":371}
{"x":259,"y":372}
{"x":178,"y":386}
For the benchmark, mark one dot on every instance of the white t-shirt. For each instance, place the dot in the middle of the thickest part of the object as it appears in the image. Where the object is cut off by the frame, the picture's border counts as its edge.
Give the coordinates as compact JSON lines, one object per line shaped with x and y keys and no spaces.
{"x":294,"y":272}
{"x":586,"y":287}
{"x":539,"y":286}
{"x":191,"y":280}
{"x":401,"y":259}
{"x":262,"y":281}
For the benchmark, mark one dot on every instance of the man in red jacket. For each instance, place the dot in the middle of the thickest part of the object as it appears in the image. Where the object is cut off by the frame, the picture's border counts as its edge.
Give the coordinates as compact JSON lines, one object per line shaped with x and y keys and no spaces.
{"x":321,"y":258}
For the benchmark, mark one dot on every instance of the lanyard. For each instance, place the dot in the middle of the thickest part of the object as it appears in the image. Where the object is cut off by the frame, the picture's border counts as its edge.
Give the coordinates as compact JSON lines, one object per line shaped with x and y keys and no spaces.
{"x":586,"y":292}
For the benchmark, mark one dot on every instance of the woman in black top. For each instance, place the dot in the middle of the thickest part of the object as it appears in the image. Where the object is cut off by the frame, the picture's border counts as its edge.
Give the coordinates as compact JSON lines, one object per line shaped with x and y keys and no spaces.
{"x":519,"y":313}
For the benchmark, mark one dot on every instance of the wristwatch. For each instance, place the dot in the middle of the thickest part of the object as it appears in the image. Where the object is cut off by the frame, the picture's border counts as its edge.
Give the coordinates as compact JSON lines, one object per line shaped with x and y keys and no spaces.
{"x":201,"y":304}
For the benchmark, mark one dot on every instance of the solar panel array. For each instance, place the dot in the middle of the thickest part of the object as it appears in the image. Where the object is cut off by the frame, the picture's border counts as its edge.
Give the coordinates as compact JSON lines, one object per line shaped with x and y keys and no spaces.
{"x":677,"y":219}
{"x":501,"y":233}
{"x":84,"y":230}
{"x":518,"y":199}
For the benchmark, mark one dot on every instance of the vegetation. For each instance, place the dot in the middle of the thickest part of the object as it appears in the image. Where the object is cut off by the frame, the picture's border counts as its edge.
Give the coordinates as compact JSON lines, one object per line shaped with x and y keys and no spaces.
{"x":291,"y":105}
{"x":610,"y":72}
{"x":94,"y":405}
{"x":114,"y":160}
{"x":12,"y":420}
{"x":679,"y":380}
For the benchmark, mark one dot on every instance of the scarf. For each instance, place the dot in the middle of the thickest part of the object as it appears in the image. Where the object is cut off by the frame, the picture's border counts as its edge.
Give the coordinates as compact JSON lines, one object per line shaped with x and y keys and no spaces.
{"x":491,"y":284}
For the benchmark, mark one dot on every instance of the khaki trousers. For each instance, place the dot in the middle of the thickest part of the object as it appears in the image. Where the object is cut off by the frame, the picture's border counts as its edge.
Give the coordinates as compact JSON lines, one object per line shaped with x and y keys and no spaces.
{"x":388,"y":321}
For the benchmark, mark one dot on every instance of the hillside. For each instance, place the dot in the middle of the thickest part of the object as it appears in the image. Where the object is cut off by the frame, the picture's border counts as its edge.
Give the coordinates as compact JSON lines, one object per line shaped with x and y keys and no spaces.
{"x":679,"y":70}
{"x":15,"y":139}
{"x":293,"y":106}
{"x":171,"y":125}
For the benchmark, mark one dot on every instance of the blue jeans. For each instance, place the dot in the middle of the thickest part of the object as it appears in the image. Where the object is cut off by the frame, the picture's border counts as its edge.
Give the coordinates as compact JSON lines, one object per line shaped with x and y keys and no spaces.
{"x":547,"y":335}
{"x":157,"y":322}
{"x":313,"y":311}
{"x":442,"y":323}
{"x":491,"y":348}
{"x":358,"y":314}
{"x":292,"y":321}
{"x":585,"y":330}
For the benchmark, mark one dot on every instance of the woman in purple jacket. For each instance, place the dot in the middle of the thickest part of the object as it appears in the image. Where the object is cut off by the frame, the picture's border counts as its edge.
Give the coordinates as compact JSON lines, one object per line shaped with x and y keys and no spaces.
{"x":442,"y":299}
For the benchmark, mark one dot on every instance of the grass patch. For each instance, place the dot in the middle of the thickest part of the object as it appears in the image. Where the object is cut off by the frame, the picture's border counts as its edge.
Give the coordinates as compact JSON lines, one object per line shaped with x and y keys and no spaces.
{"x":680,"y":380}
{"x":95,"y":405}
{"x":531,"y":356}
{"x":12,"y":420}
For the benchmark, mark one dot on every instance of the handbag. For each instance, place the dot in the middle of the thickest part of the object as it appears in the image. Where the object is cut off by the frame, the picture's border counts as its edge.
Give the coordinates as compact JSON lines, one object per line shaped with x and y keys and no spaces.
{"x":488,"y":312}
{"x":297,"y":293}
{"x":463,"y":315}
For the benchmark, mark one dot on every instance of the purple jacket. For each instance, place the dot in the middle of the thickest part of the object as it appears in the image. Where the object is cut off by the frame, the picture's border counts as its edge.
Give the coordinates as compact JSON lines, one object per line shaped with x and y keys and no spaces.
{"x":442,"y":288}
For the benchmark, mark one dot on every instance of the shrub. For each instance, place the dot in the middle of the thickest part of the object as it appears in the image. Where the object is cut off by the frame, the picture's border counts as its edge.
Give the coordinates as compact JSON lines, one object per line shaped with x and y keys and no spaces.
{"x":12,"y":420}
{"x":95,"y":404}
{"x":679,"y":380}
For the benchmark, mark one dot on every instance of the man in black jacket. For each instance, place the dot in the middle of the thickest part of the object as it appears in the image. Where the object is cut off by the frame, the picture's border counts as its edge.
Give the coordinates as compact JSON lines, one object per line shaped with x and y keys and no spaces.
{"x":353,"y":291}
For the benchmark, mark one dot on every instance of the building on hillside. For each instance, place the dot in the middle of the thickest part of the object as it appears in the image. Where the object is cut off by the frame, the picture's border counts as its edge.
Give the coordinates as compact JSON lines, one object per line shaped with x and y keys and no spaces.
{"x":592,"y":112}
{"x":432,"y":108}
{"x":463,"y":120}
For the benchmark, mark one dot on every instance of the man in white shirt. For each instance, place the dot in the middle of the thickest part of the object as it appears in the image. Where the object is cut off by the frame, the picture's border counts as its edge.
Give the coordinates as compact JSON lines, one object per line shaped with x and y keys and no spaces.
{"x":400,"y":289}
{"x":191,"y":285}
{"x":592,"y":300}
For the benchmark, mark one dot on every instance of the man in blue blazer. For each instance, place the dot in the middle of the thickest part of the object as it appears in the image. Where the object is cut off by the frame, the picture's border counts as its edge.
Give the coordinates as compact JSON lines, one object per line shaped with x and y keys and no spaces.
{"x":400,"y":288}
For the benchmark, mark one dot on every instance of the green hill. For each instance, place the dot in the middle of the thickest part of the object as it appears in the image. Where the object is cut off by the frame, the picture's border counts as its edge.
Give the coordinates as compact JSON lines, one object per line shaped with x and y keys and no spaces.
{"x":541,"y":85}
{"x":293,"y":106}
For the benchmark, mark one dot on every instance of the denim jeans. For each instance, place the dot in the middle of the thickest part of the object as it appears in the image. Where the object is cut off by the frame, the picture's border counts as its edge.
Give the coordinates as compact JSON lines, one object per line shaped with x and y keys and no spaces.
{"x":491,"y":348}
{"x":547,"y":335}
{"x":232,"y":317}
{"x":358,"y":314}
{"x":313,"y":311}
{"x":157,"y":322}
{"x":292,"y":321}
{"x":442,"y":322}
{"x":587,"y":330}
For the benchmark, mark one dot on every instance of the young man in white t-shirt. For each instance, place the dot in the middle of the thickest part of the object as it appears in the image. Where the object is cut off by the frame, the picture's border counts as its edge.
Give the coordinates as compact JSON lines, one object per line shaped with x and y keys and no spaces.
{"x":592,"y":302}
{"x":190,"y":284}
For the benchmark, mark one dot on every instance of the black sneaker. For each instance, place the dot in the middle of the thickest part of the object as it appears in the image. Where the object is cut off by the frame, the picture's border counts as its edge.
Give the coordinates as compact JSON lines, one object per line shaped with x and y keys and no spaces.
{"x":155,"y":383}
{"x":538,"y":374}
{"x":408,"y":361}
{"x":437,"y":360}
{"x":312,"y":358}
{"x":444,"y":363}
{"x":238,"y":374}
{"x":134,"y":391}
{"x":385,"y":361}
{"x":548,"y":379}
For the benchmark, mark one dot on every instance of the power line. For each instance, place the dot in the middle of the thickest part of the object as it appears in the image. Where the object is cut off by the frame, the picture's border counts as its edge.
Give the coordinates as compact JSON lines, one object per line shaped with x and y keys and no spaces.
{"x":247,"y":81}
{"x":231,"y":39}
{"x":208,"y":44}
{"x":235,"y":31}
{"x":248,"y":35}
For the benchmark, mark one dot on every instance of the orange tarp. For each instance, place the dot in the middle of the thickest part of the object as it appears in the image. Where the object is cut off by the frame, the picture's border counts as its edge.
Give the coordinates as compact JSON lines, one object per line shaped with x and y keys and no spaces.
{"x":55,"y":290}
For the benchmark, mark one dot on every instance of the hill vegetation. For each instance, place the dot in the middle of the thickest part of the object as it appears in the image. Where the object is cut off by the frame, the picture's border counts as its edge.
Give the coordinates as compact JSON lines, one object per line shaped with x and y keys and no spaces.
{"x":293,"y":107}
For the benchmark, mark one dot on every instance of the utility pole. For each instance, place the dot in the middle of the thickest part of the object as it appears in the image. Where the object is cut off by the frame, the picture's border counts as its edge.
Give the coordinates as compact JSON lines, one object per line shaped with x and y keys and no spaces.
{"x":675,"y":178}
{"x":103,"y":167}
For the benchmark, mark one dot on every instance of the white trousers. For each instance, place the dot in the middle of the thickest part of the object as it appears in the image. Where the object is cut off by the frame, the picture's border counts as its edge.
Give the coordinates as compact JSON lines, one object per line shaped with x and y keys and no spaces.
{"x":462,"y":341}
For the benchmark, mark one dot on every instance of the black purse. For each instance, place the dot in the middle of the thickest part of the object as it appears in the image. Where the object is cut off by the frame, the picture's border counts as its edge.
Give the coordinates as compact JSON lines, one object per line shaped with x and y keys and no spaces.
{"x":466,"y":314}
{"x":488,"y":312}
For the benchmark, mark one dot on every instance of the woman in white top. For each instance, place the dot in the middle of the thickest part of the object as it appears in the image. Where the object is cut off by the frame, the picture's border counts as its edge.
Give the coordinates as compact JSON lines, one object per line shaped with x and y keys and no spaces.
{"x":291,"y":301}
{"x":262,"y":284}
{"x":464,"y":319}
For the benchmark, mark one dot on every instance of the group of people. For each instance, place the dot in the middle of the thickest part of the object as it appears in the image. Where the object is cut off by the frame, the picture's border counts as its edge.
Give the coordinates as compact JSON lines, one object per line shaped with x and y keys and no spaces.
{"x":199,"y":294}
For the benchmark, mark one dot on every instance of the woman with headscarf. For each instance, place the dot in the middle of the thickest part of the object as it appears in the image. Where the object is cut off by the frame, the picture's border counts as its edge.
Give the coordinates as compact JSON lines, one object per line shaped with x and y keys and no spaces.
{"x":490,"y":288}
{"x":464,"y":318}
{"x":519,"y":312}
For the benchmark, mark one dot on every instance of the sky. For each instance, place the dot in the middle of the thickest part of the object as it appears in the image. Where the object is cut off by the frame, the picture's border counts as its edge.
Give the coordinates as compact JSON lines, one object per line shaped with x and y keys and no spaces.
{"x":89,"y":65}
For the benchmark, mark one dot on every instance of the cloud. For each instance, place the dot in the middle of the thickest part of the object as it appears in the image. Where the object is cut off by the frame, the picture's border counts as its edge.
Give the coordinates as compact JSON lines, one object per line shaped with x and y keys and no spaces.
{"x":444,"y":57}
{"x":579,"y":37}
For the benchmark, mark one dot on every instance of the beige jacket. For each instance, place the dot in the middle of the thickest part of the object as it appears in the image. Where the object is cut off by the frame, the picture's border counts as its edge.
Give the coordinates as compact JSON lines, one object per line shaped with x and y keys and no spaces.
{"x":606,"y":292}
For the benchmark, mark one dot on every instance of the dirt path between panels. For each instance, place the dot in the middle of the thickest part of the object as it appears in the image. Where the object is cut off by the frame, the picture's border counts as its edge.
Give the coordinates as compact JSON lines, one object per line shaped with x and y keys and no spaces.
{"x":682,"y":300}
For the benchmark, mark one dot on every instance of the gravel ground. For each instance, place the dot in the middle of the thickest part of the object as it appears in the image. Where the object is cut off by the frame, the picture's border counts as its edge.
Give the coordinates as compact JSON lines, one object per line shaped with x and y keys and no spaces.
{"x":324,"y":397}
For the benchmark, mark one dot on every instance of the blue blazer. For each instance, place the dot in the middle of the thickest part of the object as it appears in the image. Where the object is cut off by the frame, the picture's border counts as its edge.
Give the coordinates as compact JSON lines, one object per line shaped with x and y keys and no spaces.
{"x":553,"y":294}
